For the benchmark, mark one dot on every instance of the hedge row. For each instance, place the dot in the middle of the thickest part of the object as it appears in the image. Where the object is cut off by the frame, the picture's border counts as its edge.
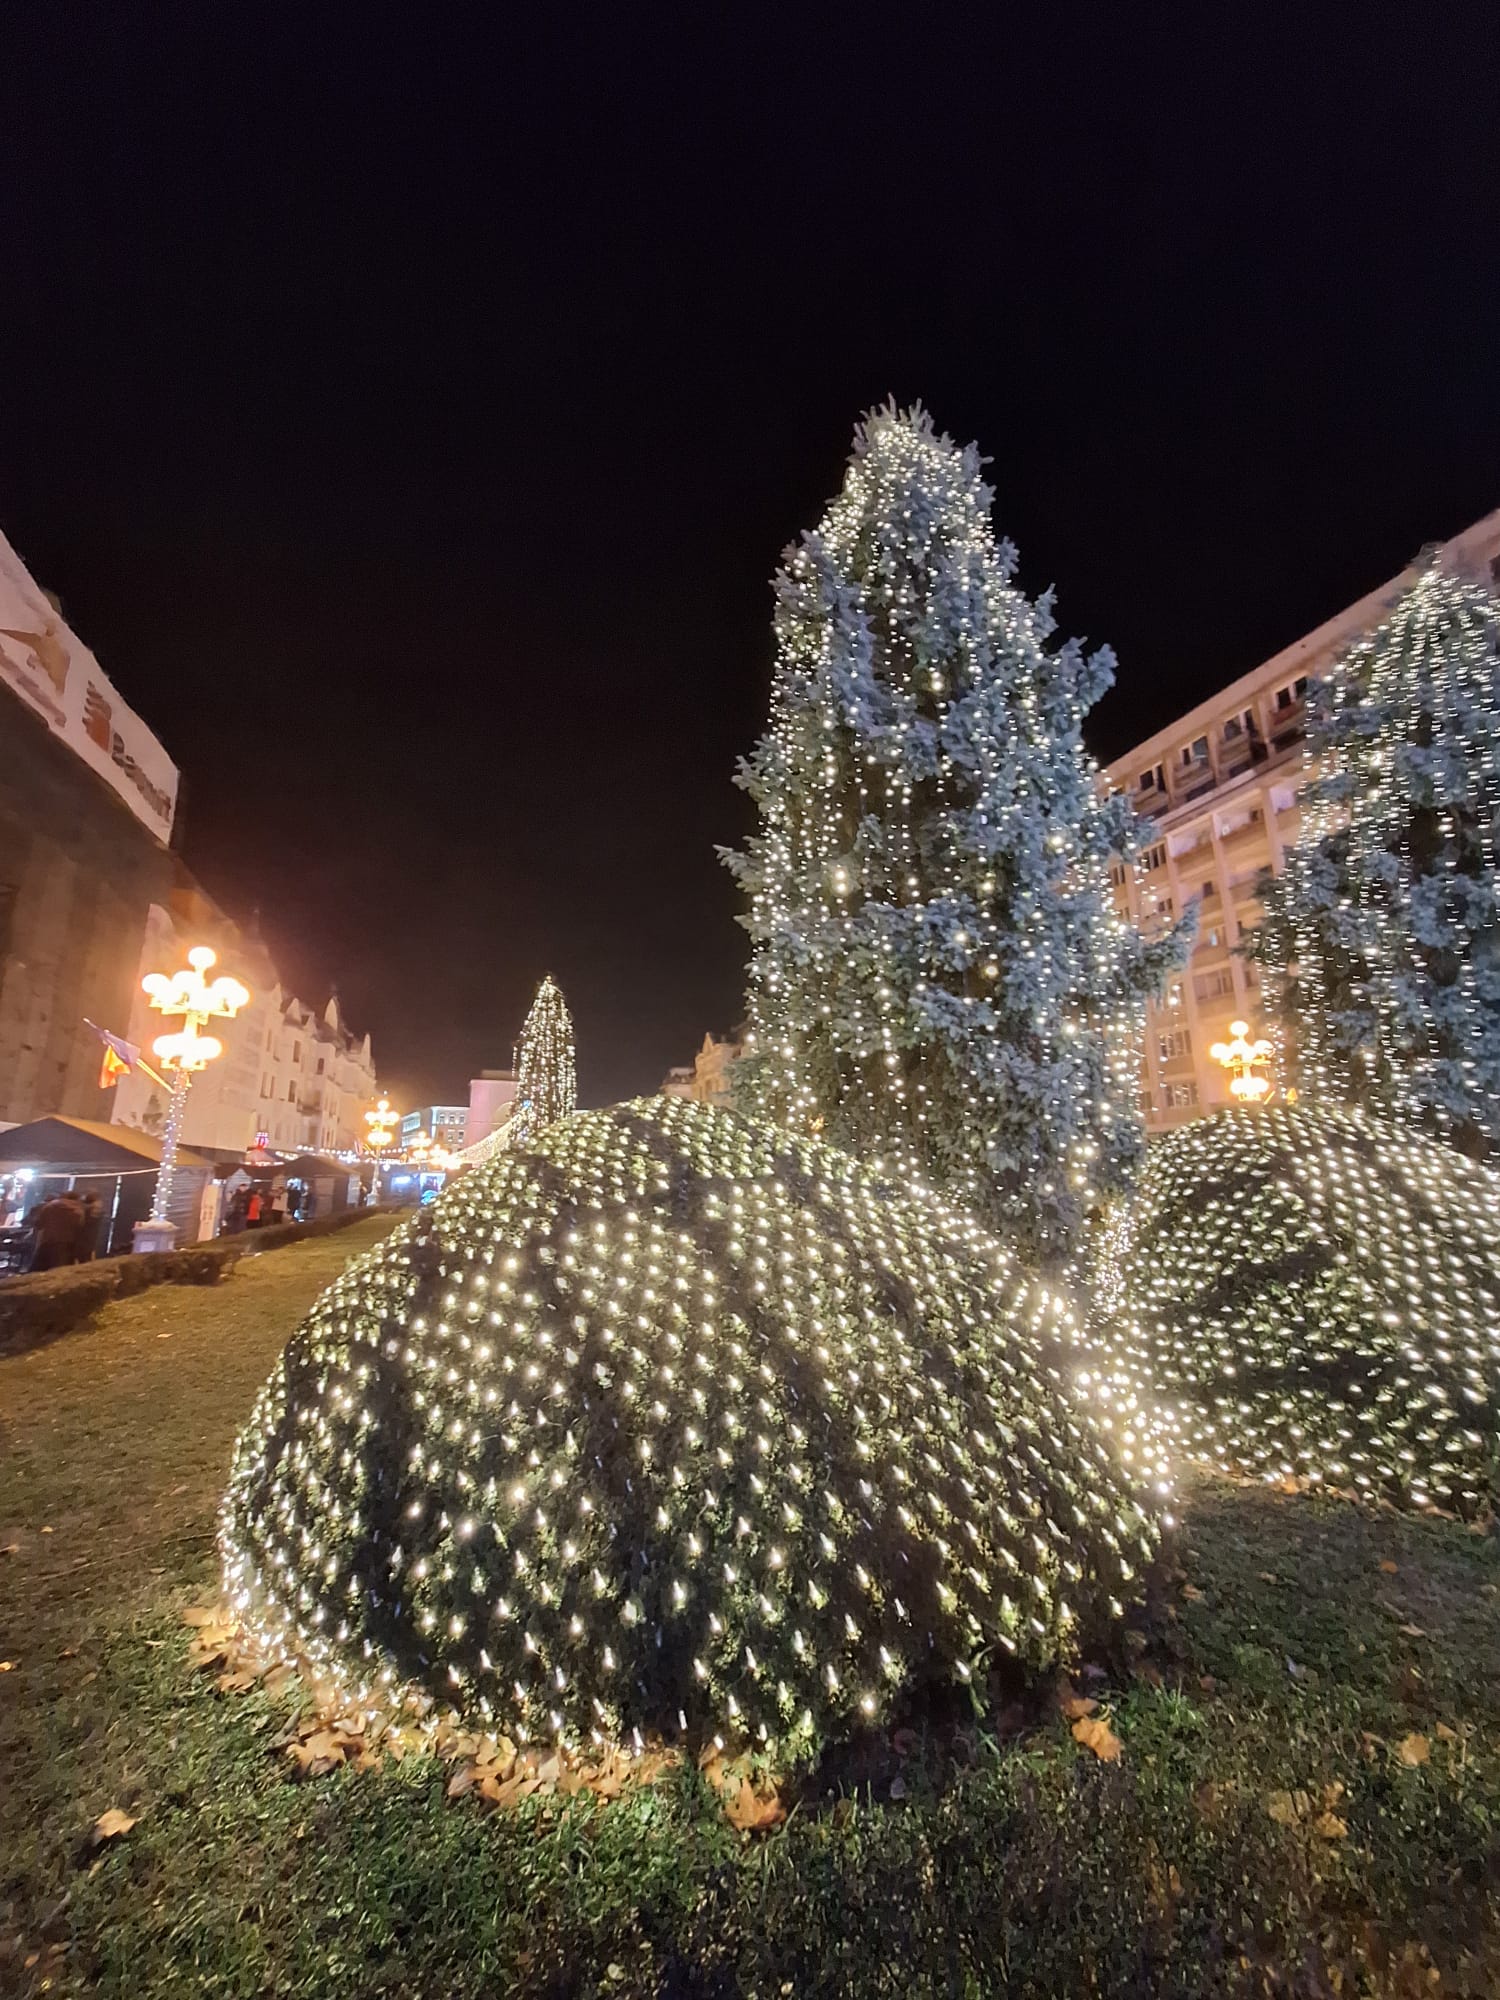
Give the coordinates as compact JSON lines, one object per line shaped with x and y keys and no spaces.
{"x":39,"y":1306}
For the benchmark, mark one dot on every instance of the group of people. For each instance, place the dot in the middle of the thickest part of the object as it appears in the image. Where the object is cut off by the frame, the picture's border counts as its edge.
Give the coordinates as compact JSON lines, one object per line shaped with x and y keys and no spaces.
{"x":66,"y":1227}
{"x":256,"y":1207}
{"x":64,"y":1230}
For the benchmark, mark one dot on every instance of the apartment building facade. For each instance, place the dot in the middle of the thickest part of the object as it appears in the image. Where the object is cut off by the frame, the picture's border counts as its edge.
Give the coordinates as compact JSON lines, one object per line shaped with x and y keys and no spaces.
{"x":443,"y":1124}
{"x":1221,"y":785}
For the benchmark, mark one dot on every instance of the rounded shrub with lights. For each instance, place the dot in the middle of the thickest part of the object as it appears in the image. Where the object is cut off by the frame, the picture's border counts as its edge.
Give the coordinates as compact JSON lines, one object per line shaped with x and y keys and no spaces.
{"x":1311,"y":1293}
{"x":668,"y":1424}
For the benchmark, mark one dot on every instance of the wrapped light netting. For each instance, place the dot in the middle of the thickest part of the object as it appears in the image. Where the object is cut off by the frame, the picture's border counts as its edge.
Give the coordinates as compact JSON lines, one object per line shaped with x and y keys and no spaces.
{"x":664,"y":1422}
{"x":1311,"y":1293}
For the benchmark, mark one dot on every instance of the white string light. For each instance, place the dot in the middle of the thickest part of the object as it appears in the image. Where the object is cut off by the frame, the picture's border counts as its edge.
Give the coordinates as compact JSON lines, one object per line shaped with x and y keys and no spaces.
{"x":665,"y":1420}
{"x":939,"y":977}
{"x":1313,"y":1294}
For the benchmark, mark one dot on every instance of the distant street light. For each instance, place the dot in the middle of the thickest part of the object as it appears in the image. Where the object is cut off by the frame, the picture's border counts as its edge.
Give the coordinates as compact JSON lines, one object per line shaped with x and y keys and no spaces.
{"x":191,"y":996}
{"x":380,"y":1125}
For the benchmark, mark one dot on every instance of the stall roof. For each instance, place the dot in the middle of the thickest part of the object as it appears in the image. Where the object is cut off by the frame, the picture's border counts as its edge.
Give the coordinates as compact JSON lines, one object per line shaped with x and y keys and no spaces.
{"x":310,"y":1166}
{"x":71,"y":1145}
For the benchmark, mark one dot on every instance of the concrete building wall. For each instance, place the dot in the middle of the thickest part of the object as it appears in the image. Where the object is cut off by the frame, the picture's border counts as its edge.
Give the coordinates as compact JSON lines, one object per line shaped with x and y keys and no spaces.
{"x":491,"y":1094}
{"x":1221,"y":784}
{"x":78,"y":874}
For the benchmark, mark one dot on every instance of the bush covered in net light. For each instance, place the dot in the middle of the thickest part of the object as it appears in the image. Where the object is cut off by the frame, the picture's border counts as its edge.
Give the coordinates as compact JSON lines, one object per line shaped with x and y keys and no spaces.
{"x":1312,"y":1293}
{"x":665,"y":1422}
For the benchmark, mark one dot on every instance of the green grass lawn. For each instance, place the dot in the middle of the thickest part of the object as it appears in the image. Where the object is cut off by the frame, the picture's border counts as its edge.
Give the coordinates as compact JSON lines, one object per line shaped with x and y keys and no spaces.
{"x":1259,"y":1833}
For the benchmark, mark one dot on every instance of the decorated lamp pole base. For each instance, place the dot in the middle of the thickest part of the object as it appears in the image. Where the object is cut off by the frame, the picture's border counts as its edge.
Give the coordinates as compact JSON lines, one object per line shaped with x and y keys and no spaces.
{"x":156,"y":1232}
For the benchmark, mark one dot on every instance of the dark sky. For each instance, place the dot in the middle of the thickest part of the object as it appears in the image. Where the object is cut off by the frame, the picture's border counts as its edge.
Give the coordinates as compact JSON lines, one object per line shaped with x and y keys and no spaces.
{"x":410,"y":405}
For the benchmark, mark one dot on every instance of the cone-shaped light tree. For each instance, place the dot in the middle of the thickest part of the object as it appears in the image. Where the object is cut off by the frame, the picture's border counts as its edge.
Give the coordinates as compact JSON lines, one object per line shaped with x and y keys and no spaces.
{"x":939,"y":980}
{"x":1381,"y":939}
{"x":546,"y":1073}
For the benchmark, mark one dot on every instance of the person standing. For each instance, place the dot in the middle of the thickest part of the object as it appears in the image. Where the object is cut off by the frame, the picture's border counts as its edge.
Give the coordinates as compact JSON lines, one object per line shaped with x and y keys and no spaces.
{"x":88,"y":1233}
{"x":253,"y":1205}
{"x":278,"y":1204}
{"x":55,"y":1225}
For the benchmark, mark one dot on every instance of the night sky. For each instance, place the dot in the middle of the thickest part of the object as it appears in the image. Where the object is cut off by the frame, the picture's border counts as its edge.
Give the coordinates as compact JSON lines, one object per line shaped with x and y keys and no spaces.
{"x":410,"y":406}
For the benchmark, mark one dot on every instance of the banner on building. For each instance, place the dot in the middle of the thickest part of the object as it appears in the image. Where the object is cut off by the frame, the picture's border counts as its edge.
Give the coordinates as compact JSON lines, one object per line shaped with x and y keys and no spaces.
{"x":56,"y":675}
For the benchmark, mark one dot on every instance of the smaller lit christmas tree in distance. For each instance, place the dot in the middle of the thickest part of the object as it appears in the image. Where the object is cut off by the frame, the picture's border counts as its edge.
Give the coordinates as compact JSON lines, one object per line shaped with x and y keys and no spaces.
{"x":546,"y":1072}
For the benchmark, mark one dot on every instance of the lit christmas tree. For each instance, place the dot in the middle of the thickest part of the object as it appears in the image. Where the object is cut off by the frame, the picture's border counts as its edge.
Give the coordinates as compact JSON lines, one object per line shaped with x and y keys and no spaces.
{"x":939,"y":980}
{"x":665,"y":1423}
{"x":1313,"y":1293}
{"x":1382,"y":938}
{"x":546,"y":1073}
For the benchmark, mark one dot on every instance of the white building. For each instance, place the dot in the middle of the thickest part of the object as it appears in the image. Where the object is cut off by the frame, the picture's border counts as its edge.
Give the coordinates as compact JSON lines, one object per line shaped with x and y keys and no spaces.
{"x":291,"y":1078}
{"x":444,"y":1125}
{"x":491,"y":1096}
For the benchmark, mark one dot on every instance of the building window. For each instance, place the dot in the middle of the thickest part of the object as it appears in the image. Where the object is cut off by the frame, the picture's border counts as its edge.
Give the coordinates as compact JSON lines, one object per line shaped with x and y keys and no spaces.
{"x":1213,"y":985}
{"x":1154,"y":779}
{"x":1210,"y":890}
{"x":1179,"y":1096}
{"x":1212,"y":939}
{"x":320,"y":1065}
{"x":291,"y":1091}
{"x":1287,"y":697}
{"x":1195,"y":752}
{"x":1154,"y":858}
{"x":1173,"y":1044}
{"x":1146,"y":1104}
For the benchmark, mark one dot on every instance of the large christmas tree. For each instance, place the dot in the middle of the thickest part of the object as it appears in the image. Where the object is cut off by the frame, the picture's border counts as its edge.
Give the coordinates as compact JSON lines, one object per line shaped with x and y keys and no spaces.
{"x":546,"y":1074}
{"x":939,"y":980}
{"x":1382,"y":938}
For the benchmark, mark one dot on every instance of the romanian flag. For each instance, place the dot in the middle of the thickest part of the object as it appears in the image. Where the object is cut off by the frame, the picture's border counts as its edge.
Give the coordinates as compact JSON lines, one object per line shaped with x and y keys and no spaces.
{"x":120,"y":1056}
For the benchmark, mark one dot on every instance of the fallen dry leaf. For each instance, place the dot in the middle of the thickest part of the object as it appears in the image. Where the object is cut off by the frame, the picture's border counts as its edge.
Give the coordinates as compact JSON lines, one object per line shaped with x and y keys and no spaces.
{"x":236,"y":1682}
{"x":1389,"y":1569}
{"x":1411,"y":1631}
{"x":7,"y":1666}
{"x":461,"y":1781}
{"x":1281,"y":1808}
{"x":1192,"y":1593}
{"x":111,"y":1825}
{"x":1330,"y":1826}
{"x":1095,"y":1734}
{"x":1075,"y":1706}
{"x":752,"y":1811}
{"x":1444,"y":1734}
{"x":206,"y":1614}
{"x":1413,"y":1749}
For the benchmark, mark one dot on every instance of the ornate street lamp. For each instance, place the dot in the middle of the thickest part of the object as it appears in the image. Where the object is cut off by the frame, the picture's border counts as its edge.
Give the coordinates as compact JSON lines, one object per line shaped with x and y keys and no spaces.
{"x":183,"y":1054}
{"x":380,"y":1125}
{"x":1243,"y":1058}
